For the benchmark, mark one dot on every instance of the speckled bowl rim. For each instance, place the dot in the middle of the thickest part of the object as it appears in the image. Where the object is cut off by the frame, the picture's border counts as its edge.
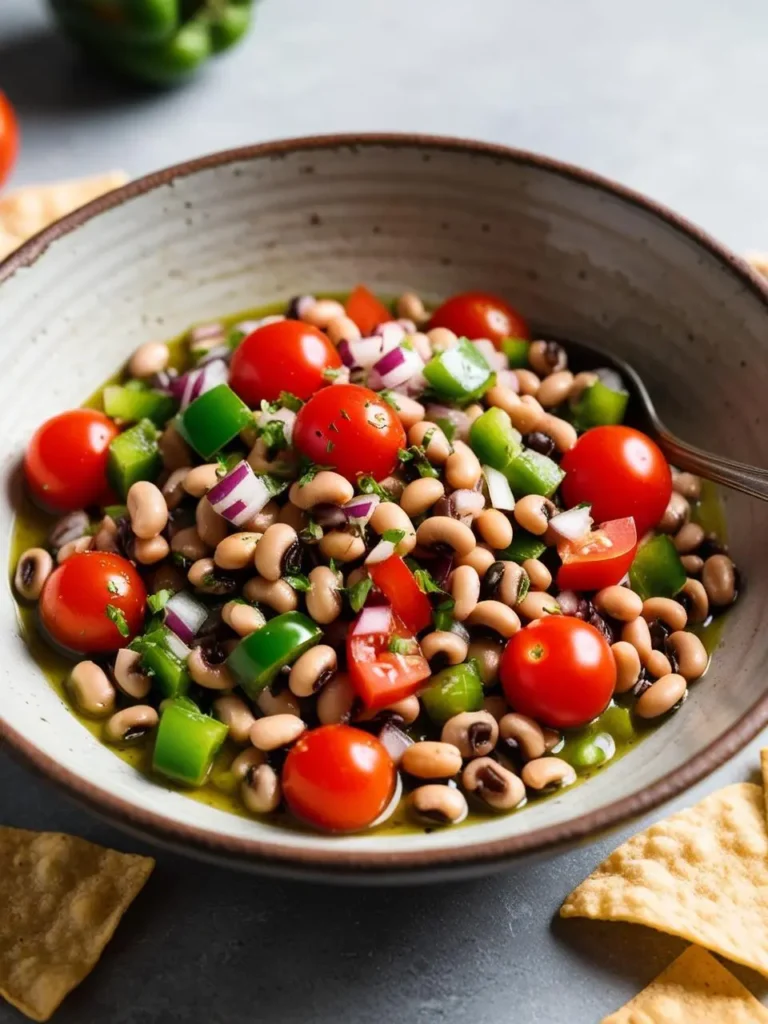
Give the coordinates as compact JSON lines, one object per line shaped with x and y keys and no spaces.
{"x":343,"y":863}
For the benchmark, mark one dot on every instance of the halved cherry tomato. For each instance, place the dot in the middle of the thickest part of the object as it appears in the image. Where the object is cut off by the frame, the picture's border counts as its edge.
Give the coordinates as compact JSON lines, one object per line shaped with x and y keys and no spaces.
{"x":350,"y":428}
{"x":386,"y":665}
{"x":365,"y":309}
{"x":620,"y":472}
{"x":599,"y":559}
{"x":284,"y":356}
{"x":338,"y":778}
{"x":66,"y":460}
{"x":93,"y":602}
{"x":398,"y":584}
{"x":558,"y":670}
{"x":9,"y":137}
{"x":479,"y":315}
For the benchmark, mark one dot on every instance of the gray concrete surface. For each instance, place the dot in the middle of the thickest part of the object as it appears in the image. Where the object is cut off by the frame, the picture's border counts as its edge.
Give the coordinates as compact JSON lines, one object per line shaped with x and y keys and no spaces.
{"x":669,"y":98}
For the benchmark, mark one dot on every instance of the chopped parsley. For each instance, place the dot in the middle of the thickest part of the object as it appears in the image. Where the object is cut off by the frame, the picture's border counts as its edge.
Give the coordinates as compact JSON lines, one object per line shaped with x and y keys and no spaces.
{"x":345,"y":415}
{"x":418,"y":457}
{"x":116,"y":616}
{"x":156,"y":602}
{"x":426,"y":581}
{"x":358,"y":593}
{"x":273,"y":435}
{"x":332,"y":565}
{"x":309,"y":472}
{"x":393,"y":536}
{"x":290,"y":401}
{"x":389,"y":397}
{"x":332,"y":372}
{"x":329,"y":446}
{"x":312,"y":532}
{"x":112,"y":587}
{"x":298,"y":581}
{"x":368,"y":485}
{"x":234,"y":337}
{"x":448,"y":428}
{"x":274,"y":484}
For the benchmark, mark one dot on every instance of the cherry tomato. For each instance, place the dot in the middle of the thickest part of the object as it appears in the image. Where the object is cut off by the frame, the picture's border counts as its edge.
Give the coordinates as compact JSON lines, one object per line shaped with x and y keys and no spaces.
{"x":382,"y":673}
{"x":478,"y":315}
{"x":398,"y":584}
{"x":365,"y":309}
{"x":350,"y":428}
{"x":93,"y":602}
{"x":620,"y":472}
{"x":600,"y":559}
{"x":558,"y":670}
{"x":285,"y":356}
{"x":338,"y":778}
{"x":9,"y":137}
{"x":66,"y":460}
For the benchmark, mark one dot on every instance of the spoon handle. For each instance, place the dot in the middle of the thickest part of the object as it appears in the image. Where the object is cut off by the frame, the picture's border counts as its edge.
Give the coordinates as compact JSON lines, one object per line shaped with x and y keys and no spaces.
{"x":737,"y":475}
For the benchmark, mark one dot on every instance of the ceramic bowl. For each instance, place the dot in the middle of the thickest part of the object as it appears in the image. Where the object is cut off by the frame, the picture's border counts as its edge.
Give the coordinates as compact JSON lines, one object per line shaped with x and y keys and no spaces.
{"x":579,"y":256}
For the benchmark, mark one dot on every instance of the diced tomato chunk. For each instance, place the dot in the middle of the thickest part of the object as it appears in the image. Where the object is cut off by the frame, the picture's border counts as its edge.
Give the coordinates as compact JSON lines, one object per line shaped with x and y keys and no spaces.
{"x":387,"y":666}
{"x":398,"y":584}
{"x":599,"y":559}
{"x":364,"y":308}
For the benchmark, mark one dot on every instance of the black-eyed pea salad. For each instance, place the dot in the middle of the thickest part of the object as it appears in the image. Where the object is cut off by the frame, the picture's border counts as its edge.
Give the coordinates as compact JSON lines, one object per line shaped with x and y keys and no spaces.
{"x":352,"y":566}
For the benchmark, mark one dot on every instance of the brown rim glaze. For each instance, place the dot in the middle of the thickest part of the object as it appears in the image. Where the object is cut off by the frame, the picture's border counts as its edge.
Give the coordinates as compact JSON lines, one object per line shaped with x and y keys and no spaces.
{"x":483,"y":855}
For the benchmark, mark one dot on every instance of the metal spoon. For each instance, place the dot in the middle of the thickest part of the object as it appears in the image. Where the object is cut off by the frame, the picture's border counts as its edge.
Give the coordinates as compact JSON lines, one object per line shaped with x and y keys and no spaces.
{"x":737,"y":475}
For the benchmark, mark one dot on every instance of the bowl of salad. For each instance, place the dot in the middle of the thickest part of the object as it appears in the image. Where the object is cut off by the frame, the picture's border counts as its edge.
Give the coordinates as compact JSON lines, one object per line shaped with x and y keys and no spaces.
{"x":331,"y":551}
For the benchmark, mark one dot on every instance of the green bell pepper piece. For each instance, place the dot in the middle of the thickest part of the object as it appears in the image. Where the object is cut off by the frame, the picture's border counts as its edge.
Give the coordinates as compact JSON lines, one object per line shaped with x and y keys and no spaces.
{"x":598,"y":405}
{"x":134,"y":455}
{"x":657,"y":570}
{"x":452,"y":691}
{"x":524,"y":546}
{"x":132,"y":404}
{"x":259,"y":656}
{"x":186,"y":744}
{"x":494,"y":440}
{"x":618,"y":722}
{"x":115,"y":511}
{"x":533,"y":473}
{"x":159,"y":657}
{"x":213,"y":420}
{"x":588,"y":751}
{"x":516,"y":350}
{"x":460,"y":374}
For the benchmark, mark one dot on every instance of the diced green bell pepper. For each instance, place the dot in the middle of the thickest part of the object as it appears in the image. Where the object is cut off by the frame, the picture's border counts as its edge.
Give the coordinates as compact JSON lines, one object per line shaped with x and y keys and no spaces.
{"x":494,"y":440}
{"x":131,"y":404}
{"x":259,"y":656}
{"x":598,"y":405}
{"x":134,"y":455}
{"x":213,"y":420}
{"x":533,"y":473}
{"x":452,"y":691}
{"x":159,"y":658}
{"x":115,"y":511}
{"x":589,"y":751}
{"x":186,"y":744}
{"x":460,"y":374}
{"x":524,"y":546}
{"x":516,"y":350}
{"x":657,"y":570}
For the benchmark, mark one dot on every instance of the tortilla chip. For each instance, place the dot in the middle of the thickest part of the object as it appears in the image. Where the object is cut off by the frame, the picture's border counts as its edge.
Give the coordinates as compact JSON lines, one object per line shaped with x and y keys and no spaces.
{"x":695,"y":989}
{"x":759,"y":260}
{"x":701,"y":874}
{"x":28,"y":210}
{"x":61,"y":899}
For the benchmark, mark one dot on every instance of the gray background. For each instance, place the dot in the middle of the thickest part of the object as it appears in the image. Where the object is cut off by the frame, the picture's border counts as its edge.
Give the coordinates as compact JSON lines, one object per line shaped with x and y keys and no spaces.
{"x":669,"y":98}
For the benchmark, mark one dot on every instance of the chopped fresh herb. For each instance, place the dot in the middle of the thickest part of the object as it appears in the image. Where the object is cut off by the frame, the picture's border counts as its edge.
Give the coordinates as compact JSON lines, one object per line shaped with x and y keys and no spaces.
{"x":332,"y":565}
{"x":428,"y":437}
{"x":390,"y":398}
{"x":426,"y":581}
{"x":333,"y":427}
{"x":393,"y":536}
{"x":368,"y":485}
{"x":234,"y":337}
{"x":358,"y":593}
{"x":345,"y":415}
{"x":309,"y":473}
{"x":290,"y":401}
{"x":298,"y":581}
{"x":116,"y":616}
{"x":266,"y":407}
{"x":312,"y":532}
{"x":447,"y":427}
{"x":329,"y":446}
{"x":403,"y":645}
{"x":418,"y":457}
{"x":209,"y":580}
{"x":274,"y":484}
{"x":156,"y":602}
{"x":379,"y":421}
{"x":332,"y":372}
{"x":405,"y":454}
{"x":112,"y":587}
{"x":178,"y":559}
{"x":272,"y":434}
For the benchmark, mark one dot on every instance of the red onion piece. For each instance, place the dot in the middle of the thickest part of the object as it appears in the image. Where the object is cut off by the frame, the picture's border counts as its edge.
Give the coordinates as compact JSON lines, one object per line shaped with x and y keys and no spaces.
{"x":373,"y":619}
{"x":499,"y":491}
{"x":495,"y":359}
{"x":177,"y":646}
{"x":185,"y":616}
{"x":360,"y":509}
{"x":467,"y":503}
{"x":363,"y":353}
{"x":383,"y":550}
{"x":194,"y":383}
{"x":395,"y":741}
{"x":457,"y":417}
{"x":573,"y":524}
{"x":396,"y":367}
{"x":568,"y":601}
{"x":392,"y":332}
{"x":240,"y":495}
{"x":508,"y":379}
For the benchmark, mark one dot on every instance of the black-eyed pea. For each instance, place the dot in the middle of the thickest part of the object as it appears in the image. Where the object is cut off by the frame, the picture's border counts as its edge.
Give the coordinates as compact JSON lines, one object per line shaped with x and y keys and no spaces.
{"x":554,"y":389}
{"x":464,"y":587}
{"x":174,"y":450}
{"x":691,"y":654}
{"x":688,"y":485}
{"x":410,"y":306}
{"x":661,"y":696}
{"x":291,"y":515}
{"x":324,"y":601}
{"x":276,"y":731}
{"x":494,"y":528}
{"x":501,"y":397}
{"x":547,"y":772}
{"x":236,"y":715}
{"x":342,"y":328}
{"x":537,"y":604}
{"x":496,"y":616}
{"x":312,"y":670}
{"x":212,"y":527}
{"x":189,"y":544}
{"x":666,"y":610}
{"x":698,"y":602}
{"x":441,"y":339}
{"x":243,"y":618}
{"x":74,"y":547}
{"x":444,"y":533}
{"x":480,"y":558}
{"x":528,"y":382}
{"x":260,"y":790}
{"x":388,"y":515}
{"x":283,"y":703}
{"x":693,"y":564}
{"x":561,"y":431}
{"x":547,"y":357}
{"x":719,"y":580}
{"x":342,"y":546}
{"x":474,"y":733}
{"x":212,"y":676}
{"x":321,"y":312}
{"x":658,"y":664}
{"x":523,"y":732}
{"x":236,"y":551}
{"x":259,"y":458}
{"x":538,"y":574}
{"x":204,"y":578}
{"x":408,"y":410}
{"x":494,"y":784}
{"x":147,"y":509}
{"x":436,"y":804}
{"x":619,"y":603}
{"x":689,"y":539}
{"x":173,"y":488}
{"x":528,"y":416}
{"x":201,"y":479}
{"x":152,"y":551}
{"x":408,"y":709}
{"x":130,"y":725}
{"x":628,"y":665}
{"x":443,"y":647}
{"x":431,"y":759}
{"x":638,"y":635}
{"x":462,"y":467}
{"x":277,"y":595}
{"x":486,"y":653}
{"x":247,"y":760}
{"x":336,"y":700}
{"x":580,"y":383}
{"x":261,"y":521}
{"x":32,"y":570}
{"x":149,"y":359}
{"x":129,"y":676}
{"x":533,"y":513}
{"x":326,"y":487}
{"x":436,"y":445}
{"x":278,"y":553}
{"x":676,"y":514}
{"x":91,"y":690}
{"x":420,"y":495}
{"x":495,"y":706}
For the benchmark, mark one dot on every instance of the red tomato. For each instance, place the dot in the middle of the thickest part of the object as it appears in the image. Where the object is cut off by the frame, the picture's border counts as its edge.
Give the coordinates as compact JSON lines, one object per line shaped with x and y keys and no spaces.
{"x":86,"y":600}
{"x":338,"y":778}
{"x":558,"y":670}
{"x":478,"y":315}
{"x":398,"y":584}
{"x":66,"y":460}
{"x":365,"y":309}
{"x":351,"y":429}
{"x":285,"y":356}
{"x":381,"y":676}
{"x":599,"y":559}
{"x":9,"y":137}
{"x":620,"y":472}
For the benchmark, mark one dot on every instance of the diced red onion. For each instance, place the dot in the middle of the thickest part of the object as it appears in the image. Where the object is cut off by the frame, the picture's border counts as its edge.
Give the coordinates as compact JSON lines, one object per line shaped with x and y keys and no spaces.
{"x":373,"y":619}
{"x":394,"y":741}
{"x":286,"y":416}
{"x":163,"y":380}
{"x":177,"y":646}
{"x":185,"y":616}
{"x":499,"y":491}
{"x":239,"y":495}
{"x":414,"y":386}
{"x":573,"y":524}
{"x":194,"y":383}
{"x":611,"y":378}
{"x":392,"y":332}
{"x":457,"y":417}
{"x":328,"y":516}
{"x":495,"y":359}
{"x":223,"y":352}
{"x":395,"y":368}
{"x":508,"y":379}
{"x":204,"y":332}
{"x":420,"y":342}
{"x":568,"y":601}
{"x":363,"y":353}
{"x":393,"y":804}
{"x":360,"y":509}
{"x":409,"y":326}
{"x":467,"y":503}
{"x":383,"y":550}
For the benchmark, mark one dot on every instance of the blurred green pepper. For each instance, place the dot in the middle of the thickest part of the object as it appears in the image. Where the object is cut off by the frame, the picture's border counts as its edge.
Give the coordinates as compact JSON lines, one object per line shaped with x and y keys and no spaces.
{"x":156,"y":41}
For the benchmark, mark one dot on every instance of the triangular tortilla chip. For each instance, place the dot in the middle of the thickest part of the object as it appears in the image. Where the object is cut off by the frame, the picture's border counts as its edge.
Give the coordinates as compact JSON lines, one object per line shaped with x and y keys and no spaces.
{"x":694,"y":989}
{"x":61,"y":899}
{"x":701,"y":874}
